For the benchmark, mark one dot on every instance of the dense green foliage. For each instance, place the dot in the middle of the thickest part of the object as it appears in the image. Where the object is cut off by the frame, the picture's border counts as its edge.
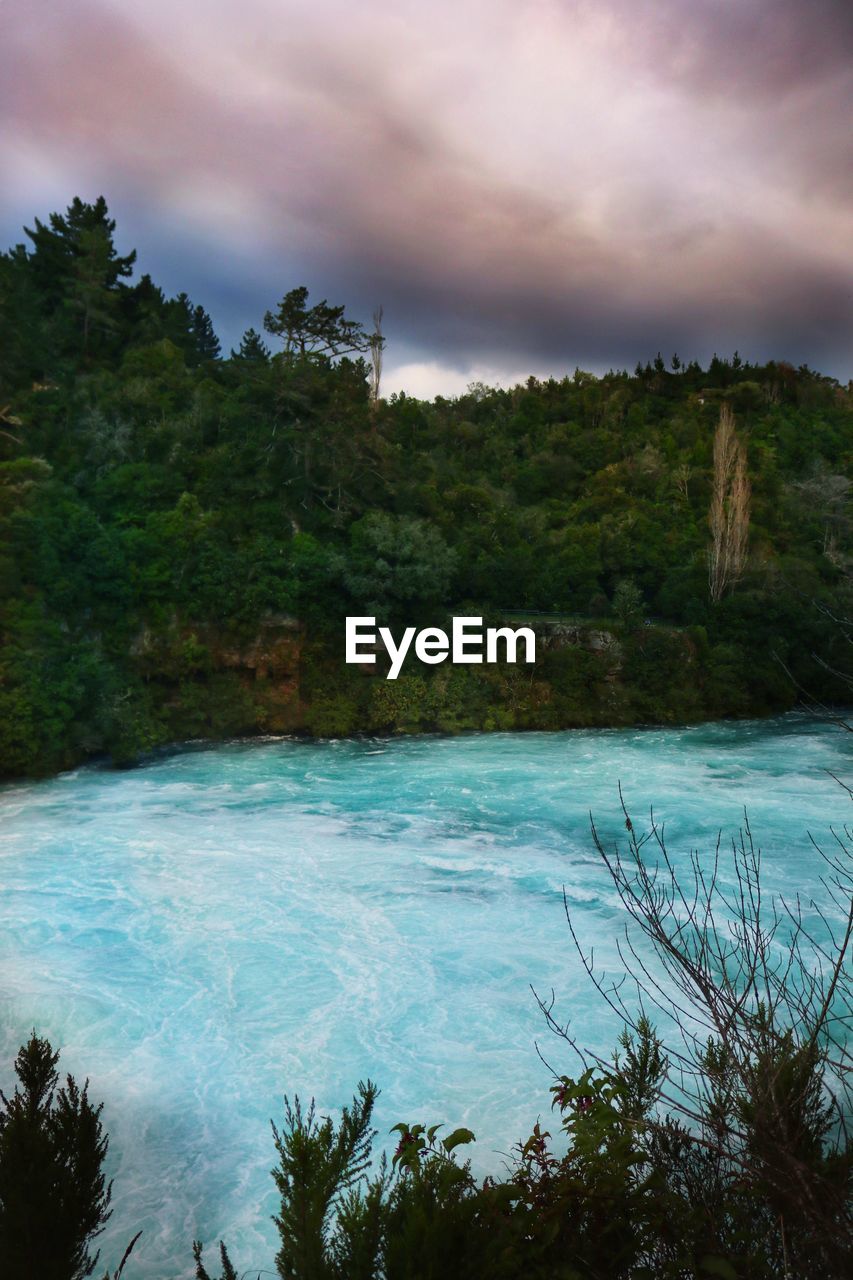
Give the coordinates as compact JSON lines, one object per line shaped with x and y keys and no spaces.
{"x":615,"y":1195}
{"x":161,"y":505}
{"x":54,"y":1200}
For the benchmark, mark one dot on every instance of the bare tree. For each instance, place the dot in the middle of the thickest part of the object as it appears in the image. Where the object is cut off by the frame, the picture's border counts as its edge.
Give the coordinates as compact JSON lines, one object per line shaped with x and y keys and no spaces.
{"x":757,"y":995}
{"x":376,"y":345}
{"x":681,"y":476}
{"x":730,"y":508}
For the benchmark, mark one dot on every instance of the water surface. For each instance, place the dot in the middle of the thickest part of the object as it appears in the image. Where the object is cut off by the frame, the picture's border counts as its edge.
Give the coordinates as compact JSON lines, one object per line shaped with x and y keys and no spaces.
{"x":223,"y":925}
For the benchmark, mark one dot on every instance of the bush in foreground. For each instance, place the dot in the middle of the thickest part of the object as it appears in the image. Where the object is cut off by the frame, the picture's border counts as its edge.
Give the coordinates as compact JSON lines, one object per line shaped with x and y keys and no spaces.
{"x":724,"y":1153}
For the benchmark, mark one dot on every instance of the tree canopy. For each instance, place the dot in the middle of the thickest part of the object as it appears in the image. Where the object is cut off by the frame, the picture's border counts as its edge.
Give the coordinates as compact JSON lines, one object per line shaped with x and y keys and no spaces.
{"x":163,"y":505}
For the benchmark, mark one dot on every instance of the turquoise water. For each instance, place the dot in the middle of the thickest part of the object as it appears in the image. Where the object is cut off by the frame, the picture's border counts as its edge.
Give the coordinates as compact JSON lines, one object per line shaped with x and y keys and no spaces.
{"x":224,"y":925}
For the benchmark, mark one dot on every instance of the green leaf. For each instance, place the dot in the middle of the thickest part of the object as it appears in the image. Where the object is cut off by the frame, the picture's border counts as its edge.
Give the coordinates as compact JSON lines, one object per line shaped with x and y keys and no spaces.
{"x":457,"y":1138}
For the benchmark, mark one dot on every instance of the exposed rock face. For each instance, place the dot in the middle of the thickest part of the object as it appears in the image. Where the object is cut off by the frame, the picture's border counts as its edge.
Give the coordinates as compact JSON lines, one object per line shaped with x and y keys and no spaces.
{"x":213,"y":682}
{"x":271,"y":654}
{"x":266,"y":665}
{"x":269,"y":664}
{"x":563,"y":635}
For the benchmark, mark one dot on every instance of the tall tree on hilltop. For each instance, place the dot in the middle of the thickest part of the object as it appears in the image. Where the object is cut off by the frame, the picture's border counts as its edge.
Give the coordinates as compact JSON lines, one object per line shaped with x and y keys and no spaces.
{"x":314,"y":332}
{"x":178,"y":320}
{"x":57,"y":244}
{"x":376,"y":344}
{"x":730,"y":509}
{"x":89,"y":295}
{"x":144,"y":307}
{"x":206,"y":341}
{"x":77,"y":273}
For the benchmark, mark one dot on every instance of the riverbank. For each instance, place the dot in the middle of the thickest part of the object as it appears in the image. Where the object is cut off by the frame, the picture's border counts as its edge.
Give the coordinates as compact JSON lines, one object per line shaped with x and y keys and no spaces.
{"x":180,"y":682}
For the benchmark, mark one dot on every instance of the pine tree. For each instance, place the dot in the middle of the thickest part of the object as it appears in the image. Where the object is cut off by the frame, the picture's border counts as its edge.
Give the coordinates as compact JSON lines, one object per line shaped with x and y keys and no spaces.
{"x":206,"y":342}
{"x":57,"y":245}
{"x":54,"y":1200}
{"x":252,"y":348}
{"x":23,"y":343}
{"x":178,"y":320}
{"x":144,"y":309}
{"x":77,"y":273}
{"x":314,"y":332}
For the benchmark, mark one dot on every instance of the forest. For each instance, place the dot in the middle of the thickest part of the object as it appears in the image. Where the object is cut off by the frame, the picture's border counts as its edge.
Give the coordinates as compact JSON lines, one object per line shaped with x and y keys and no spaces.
{"x":183,"y":531}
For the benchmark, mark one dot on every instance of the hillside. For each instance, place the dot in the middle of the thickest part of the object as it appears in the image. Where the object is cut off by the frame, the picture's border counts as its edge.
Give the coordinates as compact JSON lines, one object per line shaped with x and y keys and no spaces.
{"x":182,"y":532}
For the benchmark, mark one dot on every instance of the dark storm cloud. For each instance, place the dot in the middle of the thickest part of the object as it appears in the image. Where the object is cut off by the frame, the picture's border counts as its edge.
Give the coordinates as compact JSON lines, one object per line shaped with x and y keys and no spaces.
{"x":527,"y":185}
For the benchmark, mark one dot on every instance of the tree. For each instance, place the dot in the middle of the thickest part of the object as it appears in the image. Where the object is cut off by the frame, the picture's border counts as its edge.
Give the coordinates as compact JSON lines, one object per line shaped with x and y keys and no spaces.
{"x":206,"y":341}
{"x":90,"y":293}
{"x":59,"y":243}
{"x":77,"y":273}
{"x":628,"y":603}
{"x":23,"y":342}
{"x":394,"y":559}
{"x":54,"y":1200}
{"x":376,"y":344}
{"x":752,"y":1097}
{"x":729,"y":515}
{"x":178,"y":324}
{"x":252,"y":349}
{"x":319,"y":1163}
{"x":314,"y":332}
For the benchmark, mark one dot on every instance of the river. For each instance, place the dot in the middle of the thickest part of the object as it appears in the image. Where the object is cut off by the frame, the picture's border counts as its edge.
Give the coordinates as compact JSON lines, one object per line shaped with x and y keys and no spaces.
{"x":226,"y":924}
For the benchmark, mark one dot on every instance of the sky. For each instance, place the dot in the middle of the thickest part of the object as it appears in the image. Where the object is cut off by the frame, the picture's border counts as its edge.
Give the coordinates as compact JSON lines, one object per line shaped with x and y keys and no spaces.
{"x":525,"y":186}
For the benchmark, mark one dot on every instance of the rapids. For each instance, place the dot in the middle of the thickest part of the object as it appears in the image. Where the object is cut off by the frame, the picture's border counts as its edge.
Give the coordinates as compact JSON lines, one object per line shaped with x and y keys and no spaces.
{"x":226,"y":924}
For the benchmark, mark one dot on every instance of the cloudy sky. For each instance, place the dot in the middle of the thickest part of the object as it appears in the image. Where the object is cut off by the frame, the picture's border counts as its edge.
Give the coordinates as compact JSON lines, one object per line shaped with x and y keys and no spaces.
{"x":525,"y":185}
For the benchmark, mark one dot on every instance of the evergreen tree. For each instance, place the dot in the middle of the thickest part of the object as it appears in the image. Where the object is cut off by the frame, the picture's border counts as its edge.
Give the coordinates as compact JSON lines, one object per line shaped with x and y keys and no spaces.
{"x":67,"y":237}
{"x":54,"y":1200}
{"x":23,"y":341}
{"x":144,"y":311}
{"x":89,"y":296}
{"x":77,"y":273}
{"x":206,"y":342}
{"x":252,"y":348}
{"x":316,"y":331}
{"x":178,"y":321}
